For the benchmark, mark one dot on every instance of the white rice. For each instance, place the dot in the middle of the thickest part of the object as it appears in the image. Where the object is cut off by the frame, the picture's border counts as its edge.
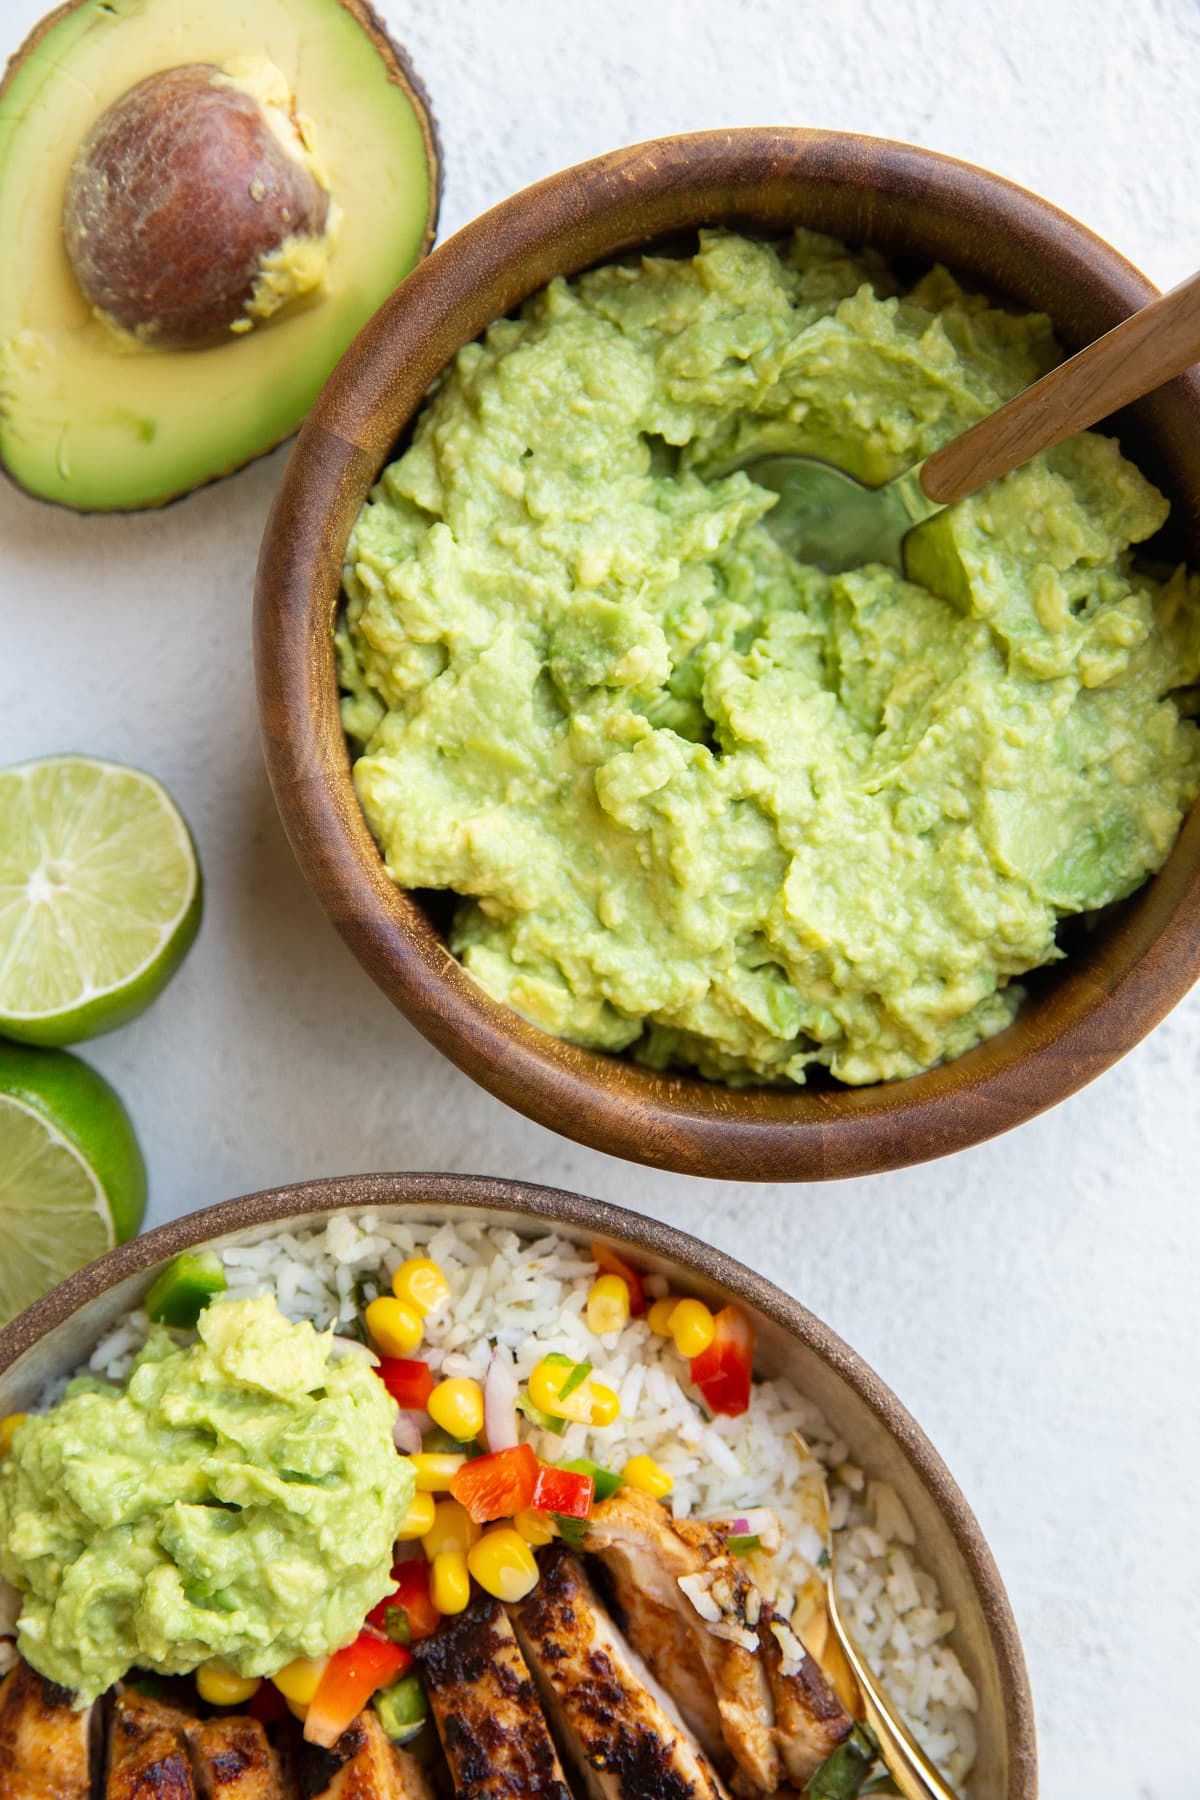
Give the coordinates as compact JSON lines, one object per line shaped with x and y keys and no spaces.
{"x":530,"y":1294}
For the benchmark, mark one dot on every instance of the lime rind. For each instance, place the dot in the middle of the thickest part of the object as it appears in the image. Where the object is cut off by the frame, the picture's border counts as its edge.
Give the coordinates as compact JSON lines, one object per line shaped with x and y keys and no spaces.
{"x":100,"y":896}
{"x":78,"y":1105}
{"x":69,"y":1223}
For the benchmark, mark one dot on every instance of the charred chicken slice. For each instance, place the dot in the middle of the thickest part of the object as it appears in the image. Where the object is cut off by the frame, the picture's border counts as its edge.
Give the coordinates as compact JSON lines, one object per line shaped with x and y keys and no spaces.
{"x":147,"y":1751}
{"x":725,"y":1695}
{"x":810,"y":1721}
{"x":693,"y":1612}
{"x":363,"y":1765}
{"x":45,"y":1745}
{"x":232,"y":1759}
{"x":626,"y":1744}
{"x":486,"y":1709}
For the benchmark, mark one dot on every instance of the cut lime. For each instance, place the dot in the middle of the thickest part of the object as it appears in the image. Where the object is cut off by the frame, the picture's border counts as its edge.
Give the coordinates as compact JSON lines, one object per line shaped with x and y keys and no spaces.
{"x":100,"y":897}
{"x":72,"y":1179}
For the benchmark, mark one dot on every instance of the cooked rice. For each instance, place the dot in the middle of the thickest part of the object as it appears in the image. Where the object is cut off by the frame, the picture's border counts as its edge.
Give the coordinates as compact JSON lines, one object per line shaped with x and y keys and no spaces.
{"x":530,"y":1295}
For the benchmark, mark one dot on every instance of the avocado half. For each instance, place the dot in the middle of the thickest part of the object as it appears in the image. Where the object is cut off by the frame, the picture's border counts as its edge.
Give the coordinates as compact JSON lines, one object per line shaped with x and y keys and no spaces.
{"x":91,"y":417}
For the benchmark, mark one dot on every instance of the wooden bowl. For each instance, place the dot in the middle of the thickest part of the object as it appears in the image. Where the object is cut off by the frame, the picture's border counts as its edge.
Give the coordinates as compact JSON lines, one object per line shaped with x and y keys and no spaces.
{"x":60,"y":1332}
{"x":1119,"y":980}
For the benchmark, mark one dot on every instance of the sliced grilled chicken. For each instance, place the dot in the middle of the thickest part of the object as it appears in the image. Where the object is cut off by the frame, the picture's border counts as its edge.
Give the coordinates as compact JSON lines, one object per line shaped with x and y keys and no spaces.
{"x":363,"y":1765}
{"x":147,"y":1751}
{"x":486,"y":1709}
{"x":692,"y":1610}
{"x":653,"y":1616}
{"x":45,"y":1745}
{"x":810,"y":1720}
{"x":724,"y":1695}
{"x":232,"y":1759}
{"x":624,"y":1741}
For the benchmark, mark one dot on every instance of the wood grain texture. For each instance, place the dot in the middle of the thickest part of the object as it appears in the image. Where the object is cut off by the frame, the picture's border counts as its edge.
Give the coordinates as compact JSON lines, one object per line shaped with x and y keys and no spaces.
{"x":1160,"y":341}
{"x":1079,"y":1019}
{"x":54,"y":1336}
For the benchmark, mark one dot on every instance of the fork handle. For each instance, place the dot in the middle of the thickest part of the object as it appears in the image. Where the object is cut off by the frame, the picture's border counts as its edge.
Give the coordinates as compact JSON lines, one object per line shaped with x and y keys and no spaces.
{"x":1148,"y":348}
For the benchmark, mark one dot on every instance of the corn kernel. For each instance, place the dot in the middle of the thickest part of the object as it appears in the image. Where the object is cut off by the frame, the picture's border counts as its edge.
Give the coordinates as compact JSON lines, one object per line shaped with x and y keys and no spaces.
{"x":418,"y":1519}
{"x":692,"y":1327}
{"x":298,"y":1681}
{"x":608,"y":1305}
{"x":591,"y":1403}
{"x":7,"y":1429}
{"x":457,"y":1406}
{"x":503,"y":1564}
{"x":435,"y":1471}
{"x":545,"y":1381}
{"x":396,"y":1328}
{"x":644,"y":1473}
{"x":421,"y":1284}
{"x":659,"y":1316}
{"x":535,"y":1527}
{"x":605,"y":1403}
{"x":220,"y":1685}
{"x":452,"y":1528}
{"x":450,"y":1581}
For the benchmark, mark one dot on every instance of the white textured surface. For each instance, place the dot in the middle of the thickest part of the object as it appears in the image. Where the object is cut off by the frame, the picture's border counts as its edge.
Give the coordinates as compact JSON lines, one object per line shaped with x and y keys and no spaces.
{"x":1034,"y":1301}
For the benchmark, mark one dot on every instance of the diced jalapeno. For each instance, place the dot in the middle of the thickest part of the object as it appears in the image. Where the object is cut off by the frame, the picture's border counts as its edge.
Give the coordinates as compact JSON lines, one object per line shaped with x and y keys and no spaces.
{"x":402,"y":1708}
{"x":184,"y":1289}
{"x":607,"y":1483}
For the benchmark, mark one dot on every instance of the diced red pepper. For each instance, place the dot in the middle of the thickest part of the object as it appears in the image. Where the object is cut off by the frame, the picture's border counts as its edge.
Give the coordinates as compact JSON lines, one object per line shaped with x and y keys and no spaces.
{"x":497,"y":1485}
{"x":410,"y":1383}
{"x":723,"y":1371}
{"x":563,"y":1491}
{"x":411,"y":1598}
{"x":351,"y":1676}
{"x":268,"y":1705}
{"x":611,"y":1264}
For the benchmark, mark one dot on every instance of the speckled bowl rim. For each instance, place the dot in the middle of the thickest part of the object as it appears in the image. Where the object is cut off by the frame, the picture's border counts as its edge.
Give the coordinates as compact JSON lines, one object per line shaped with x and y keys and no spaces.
{"x":1096,"y":1013}
{"x":425,"y":1193}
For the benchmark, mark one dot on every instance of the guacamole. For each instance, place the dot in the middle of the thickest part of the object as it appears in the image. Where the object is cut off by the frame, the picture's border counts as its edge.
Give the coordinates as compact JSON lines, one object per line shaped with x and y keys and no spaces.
{"x":237,"y":1499}
{"x":700,"y":801}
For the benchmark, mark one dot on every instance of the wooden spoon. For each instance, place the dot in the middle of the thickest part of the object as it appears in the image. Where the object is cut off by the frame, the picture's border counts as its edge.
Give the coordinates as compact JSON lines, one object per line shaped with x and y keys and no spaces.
{"x":827,"y":518}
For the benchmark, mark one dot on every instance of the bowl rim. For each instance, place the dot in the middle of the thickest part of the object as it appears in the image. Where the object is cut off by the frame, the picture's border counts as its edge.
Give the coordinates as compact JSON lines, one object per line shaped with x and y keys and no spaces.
{"x":427,"y":1191}
{"x":671,"y":1120}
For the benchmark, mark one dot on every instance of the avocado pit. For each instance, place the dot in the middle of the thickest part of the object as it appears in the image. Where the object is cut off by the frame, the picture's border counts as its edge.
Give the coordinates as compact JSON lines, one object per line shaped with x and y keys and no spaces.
{"x":194,"y":207}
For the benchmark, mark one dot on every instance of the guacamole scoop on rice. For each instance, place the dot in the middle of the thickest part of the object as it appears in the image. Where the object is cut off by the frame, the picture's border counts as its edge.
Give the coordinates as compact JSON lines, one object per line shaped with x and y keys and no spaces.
{"x":700,"y":801}
{"x":238,"y":1499}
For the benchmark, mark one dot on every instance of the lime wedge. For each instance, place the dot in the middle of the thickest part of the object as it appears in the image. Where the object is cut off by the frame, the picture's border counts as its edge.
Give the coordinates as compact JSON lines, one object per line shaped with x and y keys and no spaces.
{"x":72,"y":1179}
{"x":100,"y":897}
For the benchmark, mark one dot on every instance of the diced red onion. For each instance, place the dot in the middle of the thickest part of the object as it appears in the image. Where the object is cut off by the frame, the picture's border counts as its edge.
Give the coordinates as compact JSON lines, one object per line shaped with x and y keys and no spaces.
{"x":762,"y":1522}
{"x":406,"y":1433}
{"x":500,"y":1403}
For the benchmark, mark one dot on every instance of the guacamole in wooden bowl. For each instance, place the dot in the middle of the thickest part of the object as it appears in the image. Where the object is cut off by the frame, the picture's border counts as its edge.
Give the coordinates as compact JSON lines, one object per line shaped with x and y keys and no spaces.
{"x":705,"y":804}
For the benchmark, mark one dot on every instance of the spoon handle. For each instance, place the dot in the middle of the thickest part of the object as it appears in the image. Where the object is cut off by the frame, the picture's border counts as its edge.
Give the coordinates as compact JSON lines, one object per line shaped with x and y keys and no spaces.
{"x":1138,"y":355}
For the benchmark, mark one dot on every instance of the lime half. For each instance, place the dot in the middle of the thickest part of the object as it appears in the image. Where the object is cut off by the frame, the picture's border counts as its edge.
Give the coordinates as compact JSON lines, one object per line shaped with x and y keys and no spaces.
{"x":72,"y":1178}
{"x":99,"y":896}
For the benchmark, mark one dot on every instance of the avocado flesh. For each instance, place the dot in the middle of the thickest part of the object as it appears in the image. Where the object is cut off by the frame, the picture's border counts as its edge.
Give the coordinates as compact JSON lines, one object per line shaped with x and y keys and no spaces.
{"x":96,"y":425}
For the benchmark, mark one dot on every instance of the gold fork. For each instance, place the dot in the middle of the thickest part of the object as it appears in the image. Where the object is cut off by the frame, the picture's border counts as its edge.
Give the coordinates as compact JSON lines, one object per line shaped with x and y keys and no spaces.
{"x":908,"y":1765}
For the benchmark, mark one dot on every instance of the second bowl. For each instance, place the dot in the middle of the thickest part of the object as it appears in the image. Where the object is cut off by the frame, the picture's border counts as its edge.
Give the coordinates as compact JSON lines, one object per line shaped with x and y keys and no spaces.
{"x":315,"y":1244}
